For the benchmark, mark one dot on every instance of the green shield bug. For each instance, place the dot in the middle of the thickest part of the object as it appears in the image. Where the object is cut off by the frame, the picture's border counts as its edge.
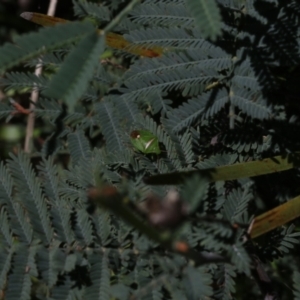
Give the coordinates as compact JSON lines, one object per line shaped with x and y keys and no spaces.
{"x":145,"y":141}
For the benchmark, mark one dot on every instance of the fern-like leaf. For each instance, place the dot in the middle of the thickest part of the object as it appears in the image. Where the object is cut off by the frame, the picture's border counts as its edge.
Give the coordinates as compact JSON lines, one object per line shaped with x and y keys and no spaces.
{"x":60,"y":211}
{"x":29,"y":190}
{"x":225,"y":279}
{"x":110,"y":126}
{"x":296,"y":285}
{"x":236,"y":204}
{"x":19,"y":281}
{"x":19,"y":81}
{"x":197,"y":283}
{"x":162,"y":14}
{"x":6,"y":256}
{"x":6,"y":110}
{"x":83,"y":228}
{"x":5,"y":226}
{"x":207,"y":17}
{"x":290,"y":239}
{"x":34,"y":44}
{"x":100,"y":278}
{"x":99,"y":12}
{"x":66,"y":291}
{"x":240,"y":258}
{"x":79,"y":146}
{"x":77,"y":70}
{"x":16,"y":213}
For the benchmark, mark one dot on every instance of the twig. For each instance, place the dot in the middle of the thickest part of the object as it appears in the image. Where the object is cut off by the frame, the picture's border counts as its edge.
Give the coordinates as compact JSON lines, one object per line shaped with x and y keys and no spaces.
{"x":52,"y":8}
{"x":19,"y":109}
{"x":35,"y":92}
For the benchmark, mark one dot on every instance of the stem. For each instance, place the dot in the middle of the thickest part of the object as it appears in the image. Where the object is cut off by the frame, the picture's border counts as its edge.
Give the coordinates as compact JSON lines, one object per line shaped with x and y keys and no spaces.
{"x":35,"y":92}
{"x":52,"y":8}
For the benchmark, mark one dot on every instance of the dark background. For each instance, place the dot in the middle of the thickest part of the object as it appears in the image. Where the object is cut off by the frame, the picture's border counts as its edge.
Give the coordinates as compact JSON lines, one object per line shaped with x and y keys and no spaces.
{"x":10,"y":10}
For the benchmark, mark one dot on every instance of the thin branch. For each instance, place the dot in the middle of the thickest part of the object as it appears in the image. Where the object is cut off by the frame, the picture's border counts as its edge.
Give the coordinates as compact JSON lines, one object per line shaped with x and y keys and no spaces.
{"x":31,"y":117}
{"x":19,"y":109}
{"x":35,"y":92}
{"x":52,"y":8}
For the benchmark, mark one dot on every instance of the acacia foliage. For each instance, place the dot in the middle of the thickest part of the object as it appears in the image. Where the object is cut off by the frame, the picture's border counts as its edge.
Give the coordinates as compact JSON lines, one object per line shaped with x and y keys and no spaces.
{"x":209,"y":102}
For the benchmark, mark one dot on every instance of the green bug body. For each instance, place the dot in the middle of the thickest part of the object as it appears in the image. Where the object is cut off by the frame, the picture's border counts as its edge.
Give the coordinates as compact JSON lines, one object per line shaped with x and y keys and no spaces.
{"x":145,"y":141}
